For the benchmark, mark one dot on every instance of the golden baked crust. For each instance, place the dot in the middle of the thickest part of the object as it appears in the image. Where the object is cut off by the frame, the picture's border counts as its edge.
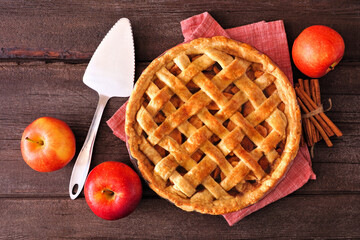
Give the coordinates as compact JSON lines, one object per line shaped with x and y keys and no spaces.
{"x":214,"y":125}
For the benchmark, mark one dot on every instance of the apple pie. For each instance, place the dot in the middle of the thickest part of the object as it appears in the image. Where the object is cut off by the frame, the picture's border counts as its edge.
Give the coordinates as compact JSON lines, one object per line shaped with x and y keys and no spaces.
{"x":213,"y":124}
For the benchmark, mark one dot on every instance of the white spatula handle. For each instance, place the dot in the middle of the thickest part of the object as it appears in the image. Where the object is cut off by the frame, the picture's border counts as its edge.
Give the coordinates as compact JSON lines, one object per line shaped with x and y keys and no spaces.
{"x":82,"y":164}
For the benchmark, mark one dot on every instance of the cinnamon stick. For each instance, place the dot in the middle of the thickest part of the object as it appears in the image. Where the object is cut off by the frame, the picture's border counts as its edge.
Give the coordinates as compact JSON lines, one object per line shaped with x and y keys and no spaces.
{"x":317,"y":99}
{"x":301,"y":83}
{"x":307,"y":131}
{"x":316,"y":124}
{"x":301,"y":94}
{"x":307,"y":86}
{"x":317,"y":91}
{"x":302,"y":139}
{"x":306,"y":122}
{"x":312,"y":128}
{"x":314,"y":98}
{"x":312,"y":106}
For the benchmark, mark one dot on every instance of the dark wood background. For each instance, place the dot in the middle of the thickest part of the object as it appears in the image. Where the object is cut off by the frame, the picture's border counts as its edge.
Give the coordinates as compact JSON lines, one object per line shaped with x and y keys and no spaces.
{"x":45,"y":48}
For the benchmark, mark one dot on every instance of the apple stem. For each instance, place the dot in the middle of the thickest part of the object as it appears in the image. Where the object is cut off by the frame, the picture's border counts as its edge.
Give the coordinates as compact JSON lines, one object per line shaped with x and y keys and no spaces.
{"x":41,"y":142}
{"x":108,"y":192}
{"x":333,"y":65}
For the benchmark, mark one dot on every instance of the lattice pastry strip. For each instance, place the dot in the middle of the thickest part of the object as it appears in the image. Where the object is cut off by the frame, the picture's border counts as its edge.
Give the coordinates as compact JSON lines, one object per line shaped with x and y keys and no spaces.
{"x":206,"y":84}
{"x":219,"y":164}
{"x":205,"y":116}
{"x":210,"y":107}
{"x":240,"y":152}
{"x":196,"y":171}
{"x":200,"y":78}
{"x":169,"y":161}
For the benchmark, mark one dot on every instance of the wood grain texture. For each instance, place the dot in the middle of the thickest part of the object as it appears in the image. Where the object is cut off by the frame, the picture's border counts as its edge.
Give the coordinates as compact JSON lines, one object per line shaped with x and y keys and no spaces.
{"x":34,"y":89}
{"x":19,"y":180}
{"x":79,"y":26}
{"x":328,"y":216}
{"x":44,"y":49}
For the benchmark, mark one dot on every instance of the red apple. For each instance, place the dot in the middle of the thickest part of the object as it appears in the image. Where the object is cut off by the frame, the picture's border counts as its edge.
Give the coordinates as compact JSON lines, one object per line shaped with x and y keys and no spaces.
{"x":112,"y":190}
{"x":47,"y":144}
{"x":317,"y":50}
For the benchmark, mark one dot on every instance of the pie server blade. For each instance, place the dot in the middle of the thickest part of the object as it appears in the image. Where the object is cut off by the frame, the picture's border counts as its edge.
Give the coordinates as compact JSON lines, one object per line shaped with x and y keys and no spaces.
{"x":111,"y":73}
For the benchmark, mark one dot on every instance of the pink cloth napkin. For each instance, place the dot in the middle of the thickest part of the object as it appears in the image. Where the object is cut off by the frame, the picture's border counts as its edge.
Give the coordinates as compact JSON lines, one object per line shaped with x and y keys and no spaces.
{"x":269,"y":38}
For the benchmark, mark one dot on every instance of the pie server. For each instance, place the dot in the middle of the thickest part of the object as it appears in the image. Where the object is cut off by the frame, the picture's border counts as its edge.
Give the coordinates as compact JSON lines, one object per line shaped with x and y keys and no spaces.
{"x":110,"y":72}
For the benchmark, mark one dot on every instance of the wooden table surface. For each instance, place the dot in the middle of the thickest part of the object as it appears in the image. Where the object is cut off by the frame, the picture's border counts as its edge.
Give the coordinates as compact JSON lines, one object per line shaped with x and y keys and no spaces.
{"x":45,"y":48}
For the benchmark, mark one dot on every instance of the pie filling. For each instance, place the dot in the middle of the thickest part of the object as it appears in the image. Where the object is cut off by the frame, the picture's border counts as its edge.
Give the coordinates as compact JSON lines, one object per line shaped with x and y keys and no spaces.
{"x":212,"y":126}
{"x":254,"y":71}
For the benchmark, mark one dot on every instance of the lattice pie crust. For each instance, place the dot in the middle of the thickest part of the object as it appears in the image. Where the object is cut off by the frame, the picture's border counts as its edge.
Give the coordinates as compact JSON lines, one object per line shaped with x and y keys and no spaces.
{"x":214,"y":125}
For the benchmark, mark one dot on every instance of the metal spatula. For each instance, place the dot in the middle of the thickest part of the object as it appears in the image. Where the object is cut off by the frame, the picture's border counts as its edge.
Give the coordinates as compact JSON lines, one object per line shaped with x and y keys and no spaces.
{"x":111,"y":73}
